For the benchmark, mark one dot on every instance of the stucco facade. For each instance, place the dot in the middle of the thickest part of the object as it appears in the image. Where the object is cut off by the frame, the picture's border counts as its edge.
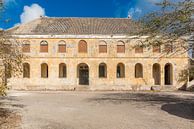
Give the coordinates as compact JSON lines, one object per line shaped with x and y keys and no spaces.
{"x":92,"y":58}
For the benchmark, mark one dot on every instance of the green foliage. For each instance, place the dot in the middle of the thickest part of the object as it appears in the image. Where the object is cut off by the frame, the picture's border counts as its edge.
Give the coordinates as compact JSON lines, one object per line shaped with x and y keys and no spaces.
{"x":11,"y":59}
{"x":169,"y":25}
{"x":172,"y":21}
{"x":186,"y":75}
{"x":174,"y":18}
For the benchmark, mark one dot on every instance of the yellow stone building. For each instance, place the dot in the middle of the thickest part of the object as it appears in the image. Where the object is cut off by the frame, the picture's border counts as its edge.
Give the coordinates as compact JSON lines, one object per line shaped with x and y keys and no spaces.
{"x":93,"y":54}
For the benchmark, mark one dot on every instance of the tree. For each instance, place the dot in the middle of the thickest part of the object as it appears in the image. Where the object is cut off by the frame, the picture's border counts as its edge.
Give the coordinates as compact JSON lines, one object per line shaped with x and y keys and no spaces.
{"x":173,"y":21}
{"x":11,"y":58}
{"x":172,"y":24}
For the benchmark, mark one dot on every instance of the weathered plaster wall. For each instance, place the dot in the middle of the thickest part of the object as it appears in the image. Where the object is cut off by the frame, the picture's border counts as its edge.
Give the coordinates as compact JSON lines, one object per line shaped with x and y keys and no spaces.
{"x":93,"y":58}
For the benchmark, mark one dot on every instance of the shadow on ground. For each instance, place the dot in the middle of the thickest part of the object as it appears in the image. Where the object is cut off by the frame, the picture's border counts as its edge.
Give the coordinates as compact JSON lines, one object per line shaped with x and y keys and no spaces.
{"x":173,"y":104}
{"x":9,"y":113}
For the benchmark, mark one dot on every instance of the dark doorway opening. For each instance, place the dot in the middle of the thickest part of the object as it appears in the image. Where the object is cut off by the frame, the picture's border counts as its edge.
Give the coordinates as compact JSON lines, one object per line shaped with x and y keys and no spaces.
{"x":168,"y":74}
{"x":156,"y":74}
{"x":83,"y":74}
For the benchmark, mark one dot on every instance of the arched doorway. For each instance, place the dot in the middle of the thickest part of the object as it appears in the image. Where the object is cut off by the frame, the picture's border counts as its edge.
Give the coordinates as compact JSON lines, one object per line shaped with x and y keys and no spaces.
{"x":168,"y":74}
{"x":62,"y":70}
{"x":102,"y":70}
{"x":156,"y":74}
{"x":26,"y":70}
{"x":120,"y":70}
{"x":44,"y":70}
{"x":83,"y":74}
{"x":138,"y":70}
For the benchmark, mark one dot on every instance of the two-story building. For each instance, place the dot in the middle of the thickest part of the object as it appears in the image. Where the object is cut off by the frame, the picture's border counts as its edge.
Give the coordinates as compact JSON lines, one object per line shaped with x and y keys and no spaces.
{"x":93,"y":53}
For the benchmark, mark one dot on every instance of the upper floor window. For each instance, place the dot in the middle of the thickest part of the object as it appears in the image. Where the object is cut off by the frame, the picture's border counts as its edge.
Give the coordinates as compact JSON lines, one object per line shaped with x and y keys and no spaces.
{"x":26,"y":46}
{"x":103,"y":47}
{"x":156,"y":49}
{"x":43,"y":46}
{"x":82,"y":46}
{"x":120,"y":47}
{"x":139,"y":47}
{"x":62,"y":47}
{"x":168,"y":48}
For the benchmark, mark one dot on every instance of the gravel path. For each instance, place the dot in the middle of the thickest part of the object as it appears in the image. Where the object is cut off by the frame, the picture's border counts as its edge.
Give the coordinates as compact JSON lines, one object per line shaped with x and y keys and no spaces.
{"x":104,"y":110}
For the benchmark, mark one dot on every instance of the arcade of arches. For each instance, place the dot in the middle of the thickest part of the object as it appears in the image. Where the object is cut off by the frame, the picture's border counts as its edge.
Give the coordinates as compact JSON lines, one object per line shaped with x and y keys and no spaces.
{"x":83,"y":72}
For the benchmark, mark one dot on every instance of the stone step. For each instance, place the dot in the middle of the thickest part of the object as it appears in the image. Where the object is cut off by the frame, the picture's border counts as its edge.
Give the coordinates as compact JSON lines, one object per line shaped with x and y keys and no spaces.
{"x":168,"y":88}
{"x":82,"y":88}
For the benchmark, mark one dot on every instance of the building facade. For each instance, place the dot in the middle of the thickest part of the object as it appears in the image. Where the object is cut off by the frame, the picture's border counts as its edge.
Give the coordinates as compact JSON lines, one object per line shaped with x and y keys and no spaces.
{"x":93,"y":54}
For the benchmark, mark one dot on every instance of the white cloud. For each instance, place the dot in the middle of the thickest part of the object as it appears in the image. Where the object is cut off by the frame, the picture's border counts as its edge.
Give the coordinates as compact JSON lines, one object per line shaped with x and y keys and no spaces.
{"x":134,"y":11}
{"x":32,"y":12}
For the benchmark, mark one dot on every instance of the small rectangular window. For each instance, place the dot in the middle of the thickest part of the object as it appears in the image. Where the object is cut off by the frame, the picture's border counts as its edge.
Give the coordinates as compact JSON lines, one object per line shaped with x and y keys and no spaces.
{"x":156,"y":48}
{"x":43,"y":48}
{"x":168,"y":48}
{"x":26,"y":48}
{"x":139,"y":49}
{"x":120,"y":48}
{"x":62,"y":48}
{"x":102,"y":48}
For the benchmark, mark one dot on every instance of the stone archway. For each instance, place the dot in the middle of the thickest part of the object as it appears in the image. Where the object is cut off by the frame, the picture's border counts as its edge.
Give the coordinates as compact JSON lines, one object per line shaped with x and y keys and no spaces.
{"x":156,"y":72}
{"x":83,"y":74}
{"x":168,"y":74}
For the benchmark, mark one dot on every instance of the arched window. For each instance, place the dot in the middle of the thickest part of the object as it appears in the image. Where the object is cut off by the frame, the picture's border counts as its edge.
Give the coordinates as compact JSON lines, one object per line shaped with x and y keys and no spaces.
{"x":44,"y":70}
{"x":62,"y":70}
{"x":120,"y":47}
{"x":120,"y":70}
{"x":26,"y":46}
{"x":102,"y":70}
{"x":138,"y":70}
{"x":82,"y":46}
{"x":62,"y":46}
{"x":103,"y":47}
{"x":139,"y":47}
{"x":26,"y":70}
{"x":43,"y":46}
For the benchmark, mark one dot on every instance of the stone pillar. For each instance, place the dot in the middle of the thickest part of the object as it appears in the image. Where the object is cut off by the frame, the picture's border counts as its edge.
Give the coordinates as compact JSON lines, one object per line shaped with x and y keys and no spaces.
{"x":162,"y":75}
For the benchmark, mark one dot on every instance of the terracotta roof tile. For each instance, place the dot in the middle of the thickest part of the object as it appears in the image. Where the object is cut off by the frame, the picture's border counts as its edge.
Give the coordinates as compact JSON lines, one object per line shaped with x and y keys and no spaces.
{"x":76,"y":26}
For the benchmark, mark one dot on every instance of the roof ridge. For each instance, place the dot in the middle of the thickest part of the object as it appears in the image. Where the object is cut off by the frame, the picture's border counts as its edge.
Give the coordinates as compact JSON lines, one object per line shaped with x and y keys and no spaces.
{"x":84,"y":18}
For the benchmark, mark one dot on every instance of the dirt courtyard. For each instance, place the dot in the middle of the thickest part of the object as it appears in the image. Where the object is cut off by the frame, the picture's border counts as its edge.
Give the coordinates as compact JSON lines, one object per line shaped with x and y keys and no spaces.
{"x":98,"y":110}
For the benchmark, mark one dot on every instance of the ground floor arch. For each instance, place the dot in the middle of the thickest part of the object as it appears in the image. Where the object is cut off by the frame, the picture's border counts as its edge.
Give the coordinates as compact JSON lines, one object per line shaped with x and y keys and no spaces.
{"x":168,"y":74}
{"x":156,"y":72}
{"x":83,"y":74}
{"x":44,"y":70}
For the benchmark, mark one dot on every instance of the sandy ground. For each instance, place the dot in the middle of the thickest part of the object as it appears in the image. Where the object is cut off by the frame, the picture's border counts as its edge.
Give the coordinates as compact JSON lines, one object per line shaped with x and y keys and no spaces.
{"x":102,"y":110}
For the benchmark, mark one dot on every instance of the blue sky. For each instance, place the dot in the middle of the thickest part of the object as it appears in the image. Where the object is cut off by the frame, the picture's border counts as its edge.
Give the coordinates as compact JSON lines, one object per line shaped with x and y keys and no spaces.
{"x":21,"y":11}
